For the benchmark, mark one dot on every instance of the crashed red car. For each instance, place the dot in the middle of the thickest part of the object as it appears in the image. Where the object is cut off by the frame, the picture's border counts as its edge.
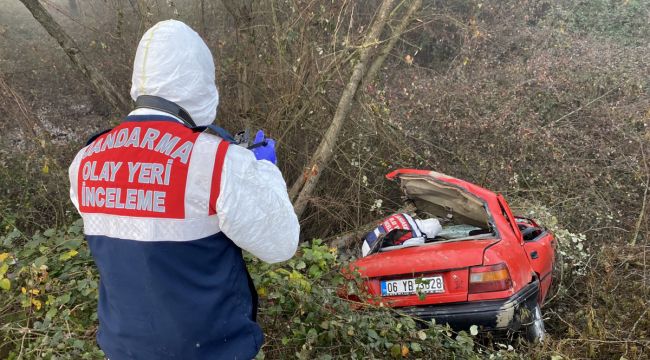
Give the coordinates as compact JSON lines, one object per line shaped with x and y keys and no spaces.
{"x":486,"y":267}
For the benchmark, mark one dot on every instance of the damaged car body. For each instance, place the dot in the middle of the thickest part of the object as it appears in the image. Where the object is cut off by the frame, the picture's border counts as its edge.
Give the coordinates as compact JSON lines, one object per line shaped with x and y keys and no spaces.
{"x":485,"y":267}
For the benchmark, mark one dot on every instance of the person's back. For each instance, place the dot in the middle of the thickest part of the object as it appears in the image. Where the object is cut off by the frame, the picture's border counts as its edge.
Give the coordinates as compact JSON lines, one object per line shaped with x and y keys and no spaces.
{"x":166,"y":209}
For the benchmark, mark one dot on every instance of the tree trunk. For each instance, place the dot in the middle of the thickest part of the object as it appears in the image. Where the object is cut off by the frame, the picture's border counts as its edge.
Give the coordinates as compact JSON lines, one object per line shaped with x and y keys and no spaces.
{"x":325,"y":150}
{"x":102,"y":86}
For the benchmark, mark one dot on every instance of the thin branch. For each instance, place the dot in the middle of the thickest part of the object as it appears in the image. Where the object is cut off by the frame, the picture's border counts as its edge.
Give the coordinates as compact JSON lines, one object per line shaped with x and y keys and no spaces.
{"x":379,"y":60}
{"x":639,"y":221}
{"x":581,"y":107}
{"x":324,"y":152}
{"x":102,"y":86}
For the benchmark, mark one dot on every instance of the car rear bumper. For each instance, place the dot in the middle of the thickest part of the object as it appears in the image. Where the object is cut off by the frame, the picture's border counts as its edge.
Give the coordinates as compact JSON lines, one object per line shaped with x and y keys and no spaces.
{"x":489,"y":314}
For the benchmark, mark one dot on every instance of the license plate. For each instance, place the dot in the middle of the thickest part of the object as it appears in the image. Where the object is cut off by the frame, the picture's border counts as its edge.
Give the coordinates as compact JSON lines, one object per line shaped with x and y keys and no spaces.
{"x":426,"y":285}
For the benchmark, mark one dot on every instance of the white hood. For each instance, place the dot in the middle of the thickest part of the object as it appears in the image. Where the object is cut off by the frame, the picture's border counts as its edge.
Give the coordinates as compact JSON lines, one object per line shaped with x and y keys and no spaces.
{"x":173,"y":62}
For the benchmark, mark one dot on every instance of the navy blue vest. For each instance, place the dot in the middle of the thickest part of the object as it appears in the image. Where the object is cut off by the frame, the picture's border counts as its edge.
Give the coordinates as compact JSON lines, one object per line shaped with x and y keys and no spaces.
{"x":174,"y":300}
{"x":187,"y":299}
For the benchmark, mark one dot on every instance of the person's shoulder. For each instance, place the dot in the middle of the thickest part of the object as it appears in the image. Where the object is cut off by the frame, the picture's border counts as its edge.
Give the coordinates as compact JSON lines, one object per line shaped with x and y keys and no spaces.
{"x":210,"y":137}
{"x":234,"y":152}
{"x":237,"y":152}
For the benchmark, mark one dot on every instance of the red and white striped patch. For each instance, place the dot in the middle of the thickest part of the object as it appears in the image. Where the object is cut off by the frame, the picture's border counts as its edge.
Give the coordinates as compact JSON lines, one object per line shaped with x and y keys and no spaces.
{"x":150,"y":181}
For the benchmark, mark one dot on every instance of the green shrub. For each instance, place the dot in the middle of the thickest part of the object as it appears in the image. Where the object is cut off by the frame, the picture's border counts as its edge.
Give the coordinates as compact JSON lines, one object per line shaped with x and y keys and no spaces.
{"x":304,"y":318}
{"x":48,"y":288}
{"x":35,"y":191}
{"x":49,"y":296}
{"x":624,"y":20}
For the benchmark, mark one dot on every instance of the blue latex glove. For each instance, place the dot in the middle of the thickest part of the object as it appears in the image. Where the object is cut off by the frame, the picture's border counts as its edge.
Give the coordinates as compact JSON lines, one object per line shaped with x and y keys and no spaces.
{"x":264,"y":152}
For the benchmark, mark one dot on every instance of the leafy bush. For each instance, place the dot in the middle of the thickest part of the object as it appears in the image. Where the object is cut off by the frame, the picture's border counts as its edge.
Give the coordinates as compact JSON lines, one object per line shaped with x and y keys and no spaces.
{"x":304,"y":318}
{"x":623,"y":20}
{"x":572,"y":252}
{"x":35,"y":192}
{"x":49,"y":296}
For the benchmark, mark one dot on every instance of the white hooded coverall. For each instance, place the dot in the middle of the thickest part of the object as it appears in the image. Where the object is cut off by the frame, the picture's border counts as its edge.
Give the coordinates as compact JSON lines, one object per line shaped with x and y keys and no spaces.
{"x":166,"y":210}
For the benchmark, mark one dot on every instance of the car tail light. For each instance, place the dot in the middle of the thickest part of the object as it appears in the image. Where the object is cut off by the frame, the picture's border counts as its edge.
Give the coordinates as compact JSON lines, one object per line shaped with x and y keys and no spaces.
{"x":489,"y":278}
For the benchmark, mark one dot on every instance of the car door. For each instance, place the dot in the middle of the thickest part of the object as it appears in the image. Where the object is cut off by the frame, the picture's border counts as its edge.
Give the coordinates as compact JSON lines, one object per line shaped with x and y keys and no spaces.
{"x":541,"y":254}
{"x":539,"y":251}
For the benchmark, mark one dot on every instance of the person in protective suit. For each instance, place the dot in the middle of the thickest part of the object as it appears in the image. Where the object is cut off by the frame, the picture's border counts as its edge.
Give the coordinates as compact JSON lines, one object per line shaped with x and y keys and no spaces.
{"x":167,"y":208}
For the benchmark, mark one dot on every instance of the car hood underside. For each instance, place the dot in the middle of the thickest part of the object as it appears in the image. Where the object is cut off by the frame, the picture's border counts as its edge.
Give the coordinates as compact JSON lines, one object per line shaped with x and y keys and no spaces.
{"x":445,"y":200}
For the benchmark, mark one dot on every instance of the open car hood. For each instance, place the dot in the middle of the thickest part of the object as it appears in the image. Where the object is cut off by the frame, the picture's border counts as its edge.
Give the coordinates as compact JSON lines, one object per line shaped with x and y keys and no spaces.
{"x":444,"y":196}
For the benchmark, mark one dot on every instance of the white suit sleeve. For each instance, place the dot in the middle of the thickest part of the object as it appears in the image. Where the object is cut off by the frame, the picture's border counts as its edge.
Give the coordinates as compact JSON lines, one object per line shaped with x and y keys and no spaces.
{"x":73,"y":172}
{"x":254,"y":209}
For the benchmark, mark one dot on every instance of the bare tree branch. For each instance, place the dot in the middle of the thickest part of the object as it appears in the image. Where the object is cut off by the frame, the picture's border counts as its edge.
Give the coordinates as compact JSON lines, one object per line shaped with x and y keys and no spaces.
{"x":401,"y":28}
{"x":242,"y":13}
{"x":29,"y":124}
{"x":102,"y":86}
{"x":144,"y":11}
{"x":325,"y":150}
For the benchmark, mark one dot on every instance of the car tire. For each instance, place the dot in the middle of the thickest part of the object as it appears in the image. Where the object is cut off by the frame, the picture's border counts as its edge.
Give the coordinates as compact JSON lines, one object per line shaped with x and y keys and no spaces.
{"x":535,"y":332}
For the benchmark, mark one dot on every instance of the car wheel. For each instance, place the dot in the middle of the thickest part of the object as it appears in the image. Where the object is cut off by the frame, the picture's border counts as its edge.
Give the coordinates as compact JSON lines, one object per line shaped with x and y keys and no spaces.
{"x":535,"y":332}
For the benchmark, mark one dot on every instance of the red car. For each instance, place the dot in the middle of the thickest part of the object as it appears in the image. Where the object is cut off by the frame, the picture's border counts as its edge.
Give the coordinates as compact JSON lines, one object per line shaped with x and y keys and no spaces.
{"x":486,"y":267}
